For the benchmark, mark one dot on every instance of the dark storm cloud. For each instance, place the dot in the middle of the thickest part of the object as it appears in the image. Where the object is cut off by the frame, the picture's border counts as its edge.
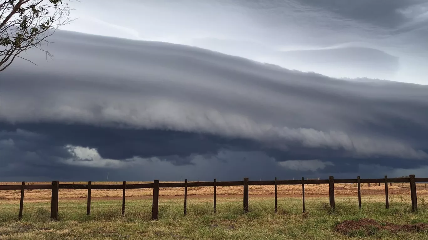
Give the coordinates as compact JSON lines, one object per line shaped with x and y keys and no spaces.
{"x":124,"y":143}
{"x":29,"y":156}
{"x":107,"y":103}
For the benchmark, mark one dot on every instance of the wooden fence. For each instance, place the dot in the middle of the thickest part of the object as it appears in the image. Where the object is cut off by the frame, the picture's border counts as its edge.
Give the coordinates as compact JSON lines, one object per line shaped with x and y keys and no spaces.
{"x":55,"y":186}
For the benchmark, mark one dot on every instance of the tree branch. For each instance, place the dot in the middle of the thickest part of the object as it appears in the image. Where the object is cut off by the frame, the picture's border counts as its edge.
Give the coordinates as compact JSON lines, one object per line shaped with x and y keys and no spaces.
{"x":27,"y":24}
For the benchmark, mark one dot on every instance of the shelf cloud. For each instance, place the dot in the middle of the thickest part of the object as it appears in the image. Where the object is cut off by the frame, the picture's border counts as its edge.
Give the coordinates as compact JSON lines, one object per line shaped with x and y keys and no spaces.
{"x":108,"y":103}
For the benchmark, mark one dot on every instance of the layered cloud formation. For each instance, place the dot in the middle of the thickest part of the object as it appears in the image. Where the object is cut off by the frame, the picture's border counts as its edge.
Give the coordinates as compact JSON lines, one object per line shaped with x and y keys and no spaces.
{"x":126,"y":109}
{"x":383,"y":39}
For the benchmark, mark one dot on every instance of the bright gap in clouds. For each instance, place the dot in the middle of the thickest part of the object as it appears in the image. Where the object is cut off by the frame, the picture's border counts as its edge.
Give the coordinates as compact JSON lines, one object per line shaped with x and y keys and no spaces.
{"x":340,"y":40}
{"x":89,"y":157}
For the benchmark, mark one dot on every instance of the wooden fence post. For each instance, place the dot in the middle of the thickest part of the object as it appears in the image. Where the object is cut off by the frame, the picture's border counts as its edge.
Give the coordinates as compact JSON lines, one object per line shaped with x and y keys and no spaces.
{"x":54,"y":200}
{"x":276,"y":196}
{"x":185,"y":196}
{"x":88,"y":203}
{"x":21,"y":202}
{"x":413,"y":193}
{"x":386,"y":193}
{"x":303,"y":194}
{"x":245,"y":195}
{"x":359,"y":191}
{"x":123,"y":198}
{"x":155,"y":204}
{"x":331,"y":192}
{"x":215,"y":195}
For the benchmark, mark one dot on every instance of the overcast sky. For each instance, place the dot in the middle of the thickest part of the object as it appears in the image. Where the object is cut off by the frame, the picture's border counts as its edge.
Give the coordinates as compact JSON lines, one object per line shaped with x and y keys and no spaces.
{"x":213,"y":93}
{"x":383,"y":39}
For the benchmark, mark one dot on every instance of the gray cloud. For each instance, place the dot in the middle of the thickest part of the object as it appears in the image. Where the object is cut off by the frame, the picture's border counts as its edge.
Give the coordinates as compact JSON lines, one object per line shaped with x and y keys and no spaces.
{"x":305,"y":165}
{"x":388,"y":13}
{"x":29,"y":156}
{"x":393,"y":31}
{"x":127,"y":101}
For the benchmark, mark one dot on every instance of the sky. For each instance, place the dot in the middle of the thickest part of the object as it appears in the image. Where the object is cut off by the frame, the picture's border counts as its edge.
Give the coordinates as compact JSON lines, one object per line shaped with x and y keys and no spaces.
{"x":383,"y":39}
{"x":143,"y":90}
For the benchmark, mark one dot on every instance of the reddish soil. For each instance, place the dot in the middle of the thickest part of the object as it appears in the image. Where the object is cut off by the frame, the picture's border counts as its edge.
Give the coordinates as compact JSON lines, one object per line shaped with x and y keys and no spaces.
{"x":170,"y":197}
{"x":368,"y":227}
{"x":401,"y":191}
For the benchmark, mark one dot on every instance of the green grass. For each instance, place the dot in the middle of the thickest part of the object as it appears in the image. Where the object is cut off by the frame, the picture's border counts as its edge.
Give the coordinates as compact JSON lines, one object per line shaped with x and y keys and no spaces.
{"x":106,"y":222}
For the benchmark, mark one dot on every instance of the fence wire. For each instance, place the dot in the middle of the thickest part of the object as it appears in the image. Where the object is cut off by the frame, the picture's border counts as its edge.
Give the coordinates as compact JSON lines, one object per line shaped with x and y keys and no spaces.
{"x":107,"y":204}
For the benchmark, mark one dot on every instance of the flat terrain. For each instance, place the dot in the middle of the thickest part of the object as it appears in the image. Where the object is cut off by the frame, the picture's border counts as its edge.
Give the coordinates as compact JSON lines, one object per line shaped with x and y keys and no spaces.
{"x":373,"y":221}
{"x":344,"y":190}
{"x":106,"y":222}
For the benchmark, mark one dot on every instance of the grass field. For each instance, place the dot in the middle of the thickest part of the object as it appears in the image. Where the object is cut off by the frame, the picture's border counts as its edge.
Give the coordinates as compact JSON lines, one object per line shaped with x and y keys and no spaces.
{"x":106,"y":222}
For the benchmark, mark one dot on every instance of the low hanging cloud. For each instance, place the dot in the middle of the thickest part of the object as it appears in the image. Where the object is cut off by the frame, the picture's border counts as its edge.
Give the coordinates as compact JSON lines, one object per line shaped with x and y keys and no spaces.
{"x":113,"y":100}
{"x":305,"y":165}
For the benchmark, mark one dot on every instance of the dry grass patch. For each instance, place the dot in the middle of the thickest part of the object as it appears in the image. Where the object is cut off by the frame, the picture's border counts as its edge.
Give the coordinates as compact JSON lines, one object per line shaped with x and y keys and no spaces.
{"x":311,"y":190}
